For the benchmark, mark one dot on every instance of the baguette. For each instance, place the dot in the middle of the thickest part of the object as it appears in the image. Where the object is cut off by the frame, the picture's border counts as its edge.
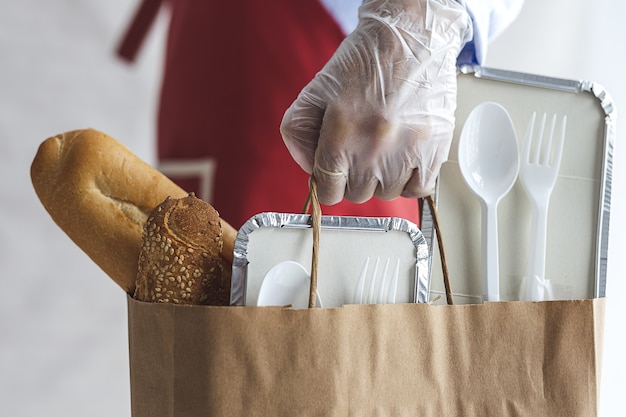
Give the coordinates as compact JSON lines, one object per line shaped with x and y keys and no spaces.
{"x":100,"y":194}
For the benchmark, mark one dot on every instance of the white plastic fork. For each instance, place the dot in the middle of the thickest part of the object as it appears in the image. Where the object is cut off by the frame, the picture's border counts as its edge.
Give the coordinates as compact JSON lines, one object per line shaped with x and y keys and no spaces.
{"x":375,"y":291}
{"x":539,"y":168}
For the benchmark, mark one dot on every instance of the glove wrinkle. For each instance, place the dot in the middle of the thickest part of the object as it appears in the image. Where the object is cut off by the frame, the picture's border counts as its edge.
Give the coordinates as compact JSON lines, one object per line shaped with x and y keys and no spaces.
{"x":378,"y":119}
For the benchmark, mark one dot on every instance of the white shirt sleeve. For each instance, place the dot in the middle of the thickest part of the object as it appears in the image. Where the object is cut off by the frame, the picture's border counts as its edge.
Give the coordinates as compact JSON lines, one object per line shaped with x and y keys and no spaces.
{"x":489,"y":19}
{"x":345,"y":13}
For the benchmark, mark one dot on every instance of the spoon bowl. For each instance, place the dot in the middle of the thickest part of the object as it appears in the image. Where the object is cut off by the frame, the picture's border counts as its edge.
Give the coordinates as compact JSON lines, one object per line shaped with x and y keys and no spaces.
{"x":489,"y":163}
{"x":284,"y":284}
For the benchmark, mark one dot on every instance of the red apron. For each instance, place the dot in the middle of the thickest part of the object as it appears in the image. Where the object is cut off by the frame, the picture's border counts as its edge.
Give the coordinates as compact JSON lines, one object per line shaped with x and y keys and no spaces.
{"x":231,"y":71}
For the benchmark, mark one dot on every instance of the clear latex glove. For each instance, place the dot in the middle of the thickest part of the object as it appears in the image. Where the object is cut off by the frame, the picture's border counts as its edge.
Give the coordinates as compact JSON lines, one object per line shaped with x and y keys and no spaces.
{"x":378,"y":118}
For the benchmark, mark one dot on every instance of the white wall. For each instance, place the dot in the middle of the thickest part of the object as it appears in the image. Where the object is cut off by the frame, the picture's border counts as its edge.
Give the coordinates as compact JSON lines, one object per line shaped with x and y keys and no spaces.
{"x":584,"y":40}
{"x":63,"y":342}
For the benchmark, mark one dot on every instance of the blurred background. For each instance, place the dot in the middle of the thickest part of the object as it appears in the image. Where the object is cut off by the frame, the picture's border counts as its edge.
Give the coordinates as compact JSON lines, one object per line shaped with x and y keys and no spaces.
{"x":63,"y":337}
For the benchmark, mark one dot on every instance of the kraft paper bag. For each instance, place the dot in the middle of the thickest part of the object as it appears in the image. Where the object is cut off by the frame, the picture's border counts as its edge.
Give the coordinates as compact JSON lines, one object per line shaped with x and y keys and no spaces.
{"x":496,"y":359}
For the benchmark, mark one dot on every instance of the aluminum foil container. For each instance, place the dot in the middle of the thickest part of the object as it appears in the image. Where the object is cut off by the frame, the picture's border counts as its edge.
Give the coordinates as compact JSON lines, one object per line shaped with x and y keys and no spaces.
{"x":345,"y":243}
{"x":580,"y":205}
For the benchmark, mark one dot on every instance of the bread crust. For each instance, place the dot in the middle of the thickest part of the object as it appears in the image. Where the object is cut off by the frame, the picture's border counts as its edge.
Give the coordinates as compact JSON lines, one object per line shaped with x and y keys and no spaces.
{"x":100,"y":194}
{"x":180,"y":258}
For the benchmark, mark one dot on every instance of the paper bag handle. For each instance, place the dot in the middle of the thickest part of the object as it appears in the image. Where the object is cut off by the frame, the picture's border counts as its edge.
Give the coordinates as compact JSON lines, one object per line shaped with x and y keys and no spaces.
{"x":313,"y":203}
{"x":442,"y":252}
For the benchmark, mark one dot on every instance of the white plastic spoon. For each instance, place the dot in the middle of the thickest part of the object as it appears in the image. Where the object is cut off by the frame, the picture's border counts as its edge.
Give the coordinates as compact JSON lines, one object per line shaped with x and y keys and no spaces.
{"x":286,"y":283}
{"x":489,"y":163}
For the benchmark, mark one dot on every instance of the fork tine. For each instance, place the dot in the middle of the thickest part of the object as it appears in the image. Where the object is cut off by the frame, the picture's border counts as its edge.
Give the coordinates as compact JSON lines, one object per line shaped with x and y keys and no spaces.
{"x":360,"y":286}
{"x":378,"y":286}
{"x":393,"y":287}
{"x":549,"y":154}
{"x":383,"y":283}
{"x":539,"y":147}
{"x":370,"y":295}
{"x":528,"y":138}
{"x":560,"y":142}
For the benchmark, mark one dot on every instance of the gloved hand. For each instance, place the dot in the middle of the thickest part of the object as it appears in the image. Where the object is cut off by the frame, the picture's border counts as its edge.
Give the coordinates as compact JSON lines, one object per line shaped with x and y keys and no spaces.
{"x":378,"y":119}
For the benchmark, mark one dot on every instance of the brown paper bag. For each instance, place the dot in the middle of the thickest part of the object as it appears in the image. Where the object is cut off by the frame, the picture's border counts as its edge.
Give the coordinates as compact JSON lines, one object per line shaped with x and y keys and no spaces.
{"x":496,"y":359}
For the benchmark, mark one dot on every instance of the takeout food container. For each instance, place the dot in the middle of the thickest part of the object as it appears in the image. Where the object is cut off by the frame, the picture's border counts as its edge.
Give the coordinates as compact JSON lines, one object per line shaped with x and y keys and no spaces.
{"x":346,"y":242}
{"x":580,"y":205}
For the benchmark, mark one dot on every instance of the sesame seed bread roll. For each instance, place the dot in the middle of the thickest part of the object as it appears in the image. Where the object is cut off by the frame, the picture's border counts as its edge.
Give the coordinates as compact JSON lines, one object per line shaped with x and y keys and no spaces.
{"x":180,"y":258}
{"x":100,"y":194}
